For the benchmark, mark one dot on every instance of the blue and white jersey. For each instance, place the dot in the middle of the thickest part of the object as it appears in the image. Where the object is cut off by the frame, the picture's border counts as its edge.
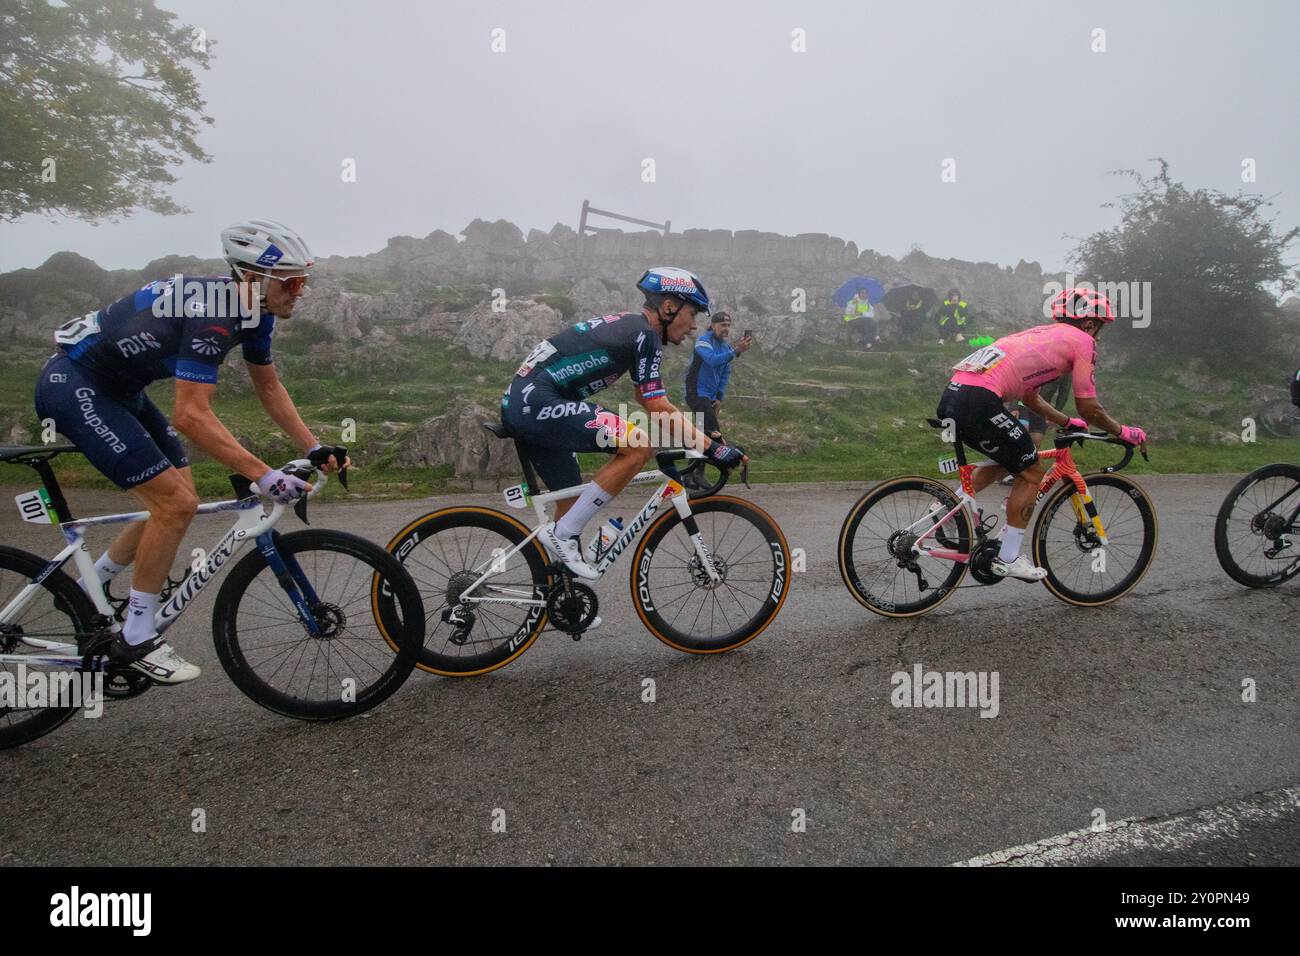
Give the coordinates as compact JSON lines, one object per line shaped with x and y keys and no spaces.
{"x":180,"y":327}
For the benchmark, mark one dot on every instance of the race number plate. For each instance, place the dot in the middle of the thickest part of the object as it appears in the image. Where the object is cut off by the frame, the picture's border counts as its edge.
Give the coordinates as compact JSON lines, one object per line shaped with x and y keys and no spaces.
{"x":517,"y":496}
{"x":948,"y":465}
{"x":981,"y":360}
{"x":74,"y":330}
{"x":540,"y":353}
{"x":34,"y":506}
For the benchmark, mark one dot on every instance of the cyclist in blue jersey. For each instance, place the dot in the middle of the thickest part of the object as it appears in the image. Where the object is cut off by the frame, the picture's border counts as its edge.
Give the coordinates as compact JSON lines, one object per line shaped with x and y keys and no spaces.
{"x":547,"y":406}
{"x":93,"y":390}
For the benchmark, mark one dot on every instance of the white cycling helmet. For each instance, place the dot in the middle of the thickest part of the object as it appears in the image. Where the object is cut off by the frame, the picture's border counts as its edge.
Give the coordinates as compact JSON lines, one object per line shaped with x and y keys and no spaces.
{"x":264,"y":244}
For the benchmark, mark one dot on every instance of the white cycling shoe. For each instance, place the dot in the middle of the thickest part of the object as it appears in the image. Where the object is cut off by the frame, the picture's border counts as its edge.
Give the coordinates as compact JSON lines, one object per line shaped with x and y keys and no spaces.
{"x":155,"y":659}
{"x":1019,"y":568}
{"x":569,"y":552}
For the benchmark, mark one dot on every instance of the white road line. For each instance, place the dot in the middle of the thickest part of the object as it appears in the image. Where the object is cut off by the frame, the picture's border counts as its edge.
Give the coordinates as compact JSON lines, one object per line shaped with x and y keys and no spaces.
{"x":1173,"y":832}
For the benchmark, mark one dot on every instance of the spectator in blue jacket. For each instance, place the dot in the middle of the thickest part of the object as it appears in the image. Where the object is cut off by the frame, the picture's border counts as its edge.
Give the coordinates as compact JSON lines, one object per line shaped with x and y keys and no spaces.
{"x":710,"y":370}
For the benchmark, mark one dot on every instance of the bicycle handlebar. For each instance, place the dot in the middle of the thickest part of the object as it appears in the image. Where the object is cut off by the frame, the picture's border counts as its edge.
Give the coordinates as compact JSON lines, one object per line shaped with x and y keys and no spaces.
{"x":1064,"y":440}
{"x":308,"y":469}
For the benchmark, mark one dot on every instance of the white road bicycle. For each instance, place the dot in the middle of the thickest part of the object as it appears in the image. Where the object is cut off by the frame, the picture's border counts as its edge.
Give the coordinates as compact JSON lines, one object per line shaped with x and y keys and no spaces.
{"x":296,"y":623}
{"x":708,"y":575}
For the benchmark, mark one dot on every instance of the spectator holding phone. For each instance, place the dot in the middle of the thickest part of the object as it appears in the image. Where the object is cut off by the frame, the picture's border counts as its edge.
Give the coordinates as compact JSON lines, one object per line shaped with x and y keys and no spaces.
{"x":710,"y":371}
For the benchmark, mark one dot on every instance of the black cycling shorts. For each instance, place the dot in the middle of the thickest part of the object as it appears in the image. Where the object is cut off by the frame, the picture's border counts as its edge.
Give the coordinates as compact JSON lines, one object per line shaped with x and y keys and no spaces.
{"x":985,"y":425}
{"x":552,"y":428}
{"x":704,"y":406}
{"x":128,"y":439}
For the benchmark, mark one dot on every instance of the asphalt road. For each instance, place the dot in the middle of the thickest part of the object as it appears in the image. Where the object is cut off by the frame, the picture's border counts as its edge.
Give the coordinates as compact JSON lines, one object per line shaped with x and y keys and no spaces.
{"x":1134,"y":710}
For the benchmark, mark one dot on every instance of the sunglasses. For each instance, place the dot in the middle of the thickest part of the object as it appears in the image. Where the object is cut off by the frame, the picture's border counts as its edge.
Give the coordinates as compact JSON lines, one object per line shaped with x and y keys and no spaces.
{"x":292,"y":284}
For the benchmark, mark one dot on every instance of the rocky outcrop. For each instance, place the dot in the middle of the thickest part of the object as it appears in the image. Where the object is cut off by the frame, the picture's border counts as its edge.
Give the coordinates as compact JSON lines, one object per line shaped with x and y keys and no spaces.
{"x":750,"y":273}
{"x":507,"y":336}
{"x":459,"y":439}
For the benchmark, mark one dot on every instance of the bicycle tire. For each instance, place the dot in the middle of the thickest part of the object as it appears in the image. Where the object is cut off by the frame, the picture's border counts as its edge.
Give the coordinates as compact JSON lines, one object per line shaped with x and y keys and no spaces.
{"x":1141,"y":563}
{"x":393,"y":666}
{"x":413,"y":546}
{"x":77,"y":606}
{"x":1223,"y":547}
{"x":773,"y":592}
{"x":852,"y":574}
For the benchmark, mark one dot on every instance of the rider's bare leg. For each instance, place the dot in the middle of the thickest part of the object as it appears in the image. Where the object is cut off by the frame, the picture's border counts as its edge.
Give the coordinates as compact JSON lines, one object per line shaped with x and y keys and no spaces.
{"x":615,"y":474}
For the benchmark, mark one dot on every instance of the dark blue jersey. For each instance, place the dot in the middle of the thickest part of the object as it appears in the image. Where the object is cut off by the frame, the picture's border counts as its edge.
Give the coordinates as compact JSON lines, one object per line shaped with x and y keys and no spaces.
{"x":181,"y":327}
{"x":591,"y":356}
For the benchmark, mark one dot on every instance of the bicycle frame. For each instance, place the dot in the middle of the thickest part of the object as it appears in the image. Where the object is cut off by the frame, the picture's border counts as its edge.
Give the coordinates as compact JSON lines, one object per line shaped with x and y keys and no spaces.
{"x":669,"y":489}
{"x":252,"y":524}
{"x":1063,"y":468}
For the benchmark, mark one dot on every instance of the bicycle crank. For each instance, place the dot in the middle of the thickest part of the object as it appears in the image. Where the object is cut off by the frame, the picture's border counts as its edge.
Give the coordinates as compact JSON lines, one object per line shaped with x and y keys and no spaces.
{"x":571,"y":606}
{"x":981,"y":562}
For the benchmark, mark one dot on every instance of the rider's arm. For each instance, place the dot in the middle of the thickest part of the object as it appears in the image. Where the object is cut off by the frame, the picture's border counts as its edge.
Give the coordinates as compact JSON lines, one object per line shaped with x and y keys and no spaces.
{"x":1041,"y":406}
{"x":271,"y":393}
{"x":679,"y":424}
{"x":1090,"y":411}
{"x":193,"y":417}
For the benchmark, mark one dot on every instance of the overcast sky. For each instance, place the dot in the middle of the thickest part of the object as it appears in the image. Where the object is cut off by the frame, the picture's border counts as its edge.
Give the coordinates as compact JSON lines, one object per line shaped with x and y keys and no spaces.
{"x":847,"y":138}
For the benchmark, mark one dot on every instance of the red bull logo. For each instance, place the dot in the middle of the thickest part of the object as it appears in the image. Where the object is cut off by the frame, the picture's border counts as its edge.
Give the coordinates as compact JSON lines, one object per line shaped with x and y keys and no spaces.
{"x":614,"y":427}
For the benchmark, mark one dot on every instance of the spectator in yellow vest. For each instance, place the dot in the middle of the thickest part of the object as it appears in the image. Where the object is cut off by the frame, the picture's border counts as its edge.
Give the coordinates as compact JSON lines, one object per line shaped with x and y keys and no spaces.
{"x":859,"y":309}
{"x":954,"y":310}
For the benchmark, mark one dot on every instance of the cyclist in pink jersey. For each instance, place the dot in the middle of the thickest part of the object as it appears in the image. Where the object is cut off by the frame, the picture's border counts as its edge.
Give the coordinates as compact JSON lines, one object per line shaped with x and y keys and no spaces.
{"x":1013,"y":369}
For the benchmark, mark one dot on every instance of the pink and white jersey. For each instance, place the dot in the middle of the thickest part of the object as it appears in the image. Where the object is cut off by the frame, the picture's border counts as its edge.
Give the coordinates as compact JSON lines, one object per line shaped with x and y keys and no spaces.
{"x":1028,"y":360}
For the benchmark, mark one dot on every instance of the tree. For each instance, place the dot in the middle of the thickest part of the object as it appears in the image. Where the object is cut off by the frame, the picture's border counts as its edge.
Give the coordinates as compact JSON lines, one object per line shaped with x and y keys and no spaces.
{"x":97,"y":100}
{"x":1216,"y":265}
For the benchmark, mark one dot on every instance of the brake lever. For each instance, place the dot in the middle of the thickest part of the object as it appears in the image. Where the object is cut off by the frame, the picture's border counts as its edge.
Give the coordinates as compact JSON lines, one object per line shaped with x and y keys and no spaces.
{"x":300,"y":509}
{"x":744,"y":474}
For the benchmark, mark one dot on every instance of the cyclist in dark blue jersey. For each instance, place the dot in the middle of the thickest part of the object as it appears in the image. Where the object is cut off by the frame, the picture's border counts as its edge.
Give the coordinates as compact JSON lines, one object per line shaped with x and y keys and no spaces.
{"x":547,"y":405}
{"x":183,"y":328}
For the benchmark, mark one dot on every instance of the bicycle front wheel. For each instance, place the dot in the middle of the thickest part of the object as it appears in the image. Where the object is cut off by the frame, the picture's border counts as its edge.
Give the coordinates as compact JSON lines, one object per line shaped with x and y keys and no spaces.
{"x":348,"y":661}
{"x":1256,"y":518}
{"x":677,"y":600}
{"x":877,"y":563}
{"x":1080,"y":569}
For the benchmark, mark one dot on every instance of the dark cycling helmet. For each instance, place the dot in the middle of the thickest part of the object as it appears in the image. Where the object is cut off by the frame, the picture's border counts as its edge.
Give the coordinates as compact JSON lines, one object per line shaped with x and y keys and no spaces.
{"x":678,"y":283}
{"x":1082,"y":304}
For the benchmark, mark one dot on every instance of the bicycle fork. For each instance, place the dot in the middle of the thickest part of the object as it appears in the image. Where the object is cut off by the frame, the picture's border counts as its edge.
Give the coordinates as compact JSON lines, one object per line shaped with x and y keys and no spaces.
{"x":291,"y":578}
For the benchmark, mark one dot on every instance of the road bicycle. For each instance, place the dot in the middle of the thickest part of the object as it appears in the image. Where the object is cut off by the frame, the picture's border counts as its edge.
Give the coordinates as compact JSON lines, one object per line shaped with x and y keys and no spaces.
{"x":1257,"y":531}
{"x":296,"y":622}
{"x":708,"y":575}
{"x":907,"y":543}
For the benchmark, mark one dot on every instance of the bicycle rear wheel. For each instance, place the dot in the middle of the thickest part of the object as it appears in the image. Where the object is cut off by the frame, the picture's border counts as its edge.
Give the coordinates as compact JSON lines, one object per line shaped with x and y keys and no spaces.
{"x":60,"y":612}
{"x":1079,"y":569}
{"x":673,"y":594}
{"x":350,"y":664}
{"x":445,"y":551}
{"x":1259,"y":512}
{"x":875,"y":547}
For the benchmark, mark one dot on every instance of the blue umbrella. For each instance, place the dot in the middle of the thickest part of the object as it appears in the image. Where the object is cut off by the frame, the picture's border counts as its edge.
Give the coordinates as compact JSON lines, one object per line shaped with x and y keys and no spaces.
{"x":875,"y":291}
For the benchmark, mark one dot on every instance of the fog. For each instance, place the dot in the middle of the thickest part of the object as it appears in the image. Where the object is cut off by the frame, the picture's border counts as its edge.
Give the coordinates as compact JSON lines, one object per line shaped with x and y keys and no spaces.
{"x":847,"y":138}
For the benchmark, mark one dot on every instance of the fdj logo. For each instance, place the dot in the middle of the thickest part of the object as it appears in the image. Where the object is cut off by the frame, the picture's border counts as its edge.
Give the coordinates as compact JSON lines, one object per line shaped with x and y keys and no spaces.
{"x":271,"y":256}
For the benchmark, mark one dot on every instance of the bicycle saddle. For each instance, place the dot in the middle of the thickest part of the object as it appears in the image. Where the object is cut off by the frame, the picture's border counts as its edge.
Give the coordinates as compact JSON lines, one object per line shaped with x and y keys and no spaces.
{"x":32,"y":452}
{"x":496,"y":428}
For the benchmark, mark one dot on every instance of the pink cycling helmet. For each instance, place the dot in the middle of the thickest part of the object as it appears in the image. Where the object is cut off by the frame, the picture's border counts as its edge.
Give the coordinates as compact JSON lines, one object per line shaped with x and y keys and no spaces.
{"x":1082,"y":304}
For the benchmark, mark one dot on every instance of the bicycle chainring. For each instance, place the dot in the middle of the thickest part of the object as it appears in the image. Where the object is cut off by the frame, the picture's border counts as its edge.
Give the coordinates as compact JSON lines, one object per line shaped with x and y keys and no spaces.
{"x":981,"y":562}
{"x":123,"y":684}
{"x":571,"y":607}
